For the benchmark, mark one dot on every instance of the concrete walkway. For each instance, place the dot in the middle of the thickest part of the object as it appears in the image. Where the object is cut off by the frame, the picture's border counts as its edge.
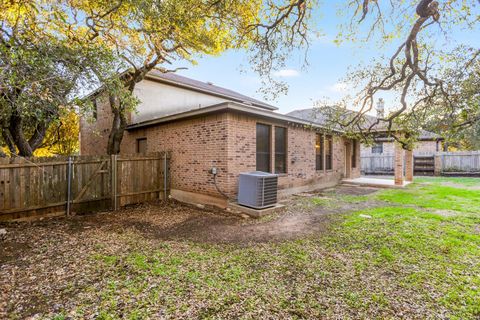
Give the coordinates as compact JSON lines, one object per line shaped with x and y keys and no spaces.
{"x":375,"y":182}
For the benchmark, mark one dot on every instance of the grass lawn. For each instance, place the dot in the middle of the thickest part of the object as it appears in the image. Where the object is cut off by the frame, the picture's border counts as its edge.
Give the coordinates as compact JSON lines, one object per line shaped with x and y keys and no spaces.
{"x":414,"y":254}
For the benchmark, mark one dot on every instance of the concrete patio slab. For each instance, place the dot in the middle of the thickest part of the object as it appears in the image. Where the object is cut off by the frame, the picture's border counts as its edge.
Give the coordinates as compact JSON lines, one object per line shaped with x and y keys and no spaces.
{"x":375,"y":182}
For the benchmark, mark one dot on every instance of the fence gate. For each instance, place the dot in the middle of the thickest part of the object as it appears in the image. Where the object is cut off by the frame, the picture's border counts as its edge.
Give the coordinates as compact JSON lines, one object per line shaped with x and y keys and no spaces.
{"x":88,"y":184}
{"x":424,"y":165}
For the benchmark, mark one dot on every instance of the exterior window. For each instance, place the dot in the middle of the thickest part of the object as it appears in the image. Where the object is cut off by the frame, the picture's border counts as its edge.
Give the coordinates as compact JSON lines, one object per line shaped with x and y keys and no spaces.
{"x":95,"y":109}
{"x":354,"y":154}
{"x":263,"y":147}
{"x":280,"y":150}
{"x":319,"y":148}
{"x":142,"y":145}
{"x":328,"y":152}
{"x":377,"y":148}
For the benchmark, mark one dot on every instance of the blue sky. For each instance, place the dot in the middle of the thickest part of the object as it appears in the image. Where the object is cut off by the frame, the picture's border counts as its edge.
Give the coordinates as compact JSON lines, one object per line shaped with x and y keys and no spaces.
{"x":328,"y":63}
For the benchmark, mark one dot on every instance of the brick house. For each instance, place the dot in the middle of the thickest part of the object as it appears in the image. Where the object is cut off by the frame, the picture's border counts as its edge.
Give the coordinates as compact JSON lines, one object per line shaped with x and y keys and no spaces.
{"x":402,"y":160}
{"x":428,"y":142}
{"x":205,"y":126}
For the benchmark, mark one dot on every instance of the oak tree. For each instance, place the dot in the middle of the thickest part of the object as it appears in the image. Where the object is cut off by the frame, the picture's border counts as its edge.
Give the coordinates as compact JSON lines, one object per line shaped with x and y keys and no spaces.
{"x":152,"y":34}
{"x":41,"y":71}
{"x":427,"y":78}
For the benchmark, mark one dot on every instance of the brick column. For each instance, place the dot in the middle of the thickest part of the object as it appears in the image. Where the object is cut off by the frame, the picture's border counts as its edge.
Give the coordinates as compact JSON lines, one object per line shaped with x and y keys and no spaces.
{"x":398,"y":164}
{"x":409,"y":165}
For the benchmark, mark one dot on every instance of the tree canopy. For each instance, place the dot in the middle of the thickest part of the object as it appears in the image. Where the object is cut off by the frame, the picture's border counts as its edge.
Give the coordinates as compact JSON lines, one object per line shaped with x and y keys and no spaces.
{"x":52,"y":51}
{"x":147,"y":34}
{"x":435,"y":85}
{"x":41,"y":73}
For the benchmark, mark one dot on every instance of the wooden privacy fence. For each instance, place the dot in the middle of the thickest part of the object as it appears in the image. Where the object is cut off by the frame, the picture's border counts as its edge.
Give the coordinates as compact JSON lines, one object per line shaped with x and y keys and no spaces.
{"x":68,"y":185}
{"x":447,"y":163}
{"x":465,"y":162}
{"x":424,"y":165}
{"x":377,"y":164}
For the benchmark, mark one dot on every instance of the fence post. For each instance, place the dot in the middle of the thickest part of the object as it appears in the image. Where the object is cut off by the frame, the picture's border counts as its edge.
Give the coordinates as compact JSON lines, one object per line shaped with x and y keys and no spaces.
{"x":114,"y":180}
{"x":69,"y":184}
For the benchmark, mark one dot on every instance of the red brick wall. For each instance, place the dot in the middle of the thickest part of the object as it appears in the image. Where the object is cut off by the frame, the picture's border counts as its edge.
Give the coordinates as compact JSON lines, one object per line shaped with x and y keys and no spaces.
{"x":197,"y":145}
{"x":389,"y":148}
{"x":425,"y":146}
{"x":226,"y":141}
{"x":301,"y":170}
{"x":94,"y":133}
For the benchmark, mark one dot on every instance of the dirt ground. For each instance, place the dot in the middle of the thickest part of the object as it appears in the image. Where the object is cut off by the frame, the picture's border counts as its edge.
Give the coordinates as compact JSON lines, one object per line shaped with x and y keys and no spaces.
{"x":176,"y":221}
{"x":34,"y":253}
{"x":172,"y":261}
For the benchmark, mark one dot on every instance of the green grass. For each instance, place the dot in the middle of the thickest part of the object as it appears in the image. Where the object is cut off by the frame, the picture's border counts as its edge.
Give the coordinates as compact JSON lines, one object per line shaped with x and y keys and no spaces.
{"x":416,"y":257}
{"x":426,"y":250}
{"x":468,"y":182}
{"x":435,"y":196}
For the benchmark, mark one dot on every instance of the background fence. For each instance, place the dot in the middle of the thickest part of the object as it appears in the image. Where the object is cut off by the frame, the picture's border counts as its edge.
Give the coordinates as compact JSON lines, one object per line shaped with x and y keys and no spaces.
{"x":68,"y":185}
{"x":378,"y":164}
{"x":448,"y":163}
{"x":468,"y":162}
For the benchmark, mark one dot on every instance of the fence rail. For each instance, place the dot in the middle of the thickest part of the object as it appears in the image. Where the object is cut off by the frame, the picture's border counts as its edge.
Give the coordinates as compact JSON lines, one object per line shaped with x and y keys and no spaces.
{"x":66,"y":185}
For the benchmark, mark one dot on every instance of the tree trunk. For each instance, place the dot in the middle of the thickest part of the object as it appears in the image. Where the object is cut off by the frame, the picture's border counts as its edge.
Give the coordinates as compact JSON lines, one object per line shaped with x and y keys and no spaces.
{"x":119,"y":125}
{"x":7,"y":138}
{"x":14,"y":136}
{"x":18,"y":136}
{"x":36,"y":139}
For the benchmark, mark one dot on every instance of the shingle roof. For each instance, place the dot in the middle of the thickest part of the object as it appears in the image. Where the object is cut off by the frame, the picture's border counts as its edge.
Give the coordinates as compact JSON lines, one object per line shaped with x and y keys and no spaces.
{"x":260,"y":113}
{"x":313,"y":115}
{"x":206,"y":87}
{"x":310,"y":114}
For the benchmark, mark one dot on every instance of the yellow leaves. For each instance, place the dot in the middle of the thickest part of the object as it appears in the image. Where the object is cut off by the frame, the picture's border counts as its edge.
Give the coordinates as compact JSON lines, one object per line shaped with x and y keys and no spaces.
{"x":14,"y":12}
{"x":62,"y":136}
{"x":175,"y":28}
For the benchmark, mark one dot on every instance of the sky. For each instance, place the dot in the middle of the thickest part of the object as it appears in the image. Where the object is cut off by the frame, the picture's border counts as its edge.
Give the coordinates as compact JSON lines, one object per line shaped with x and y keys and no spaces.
{"x":328,"y":63}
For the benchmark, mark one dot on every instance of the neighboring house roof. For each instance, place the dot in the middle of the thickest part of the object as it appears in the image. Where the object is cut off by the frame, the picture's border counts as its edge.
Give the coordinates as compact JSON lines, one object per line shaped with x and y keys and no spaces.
{"x":226,"y":106}
{"x":428,"y":135}
{"x":310,"y":114}
{"x":206,"y":87}
{"x":313,"y":115}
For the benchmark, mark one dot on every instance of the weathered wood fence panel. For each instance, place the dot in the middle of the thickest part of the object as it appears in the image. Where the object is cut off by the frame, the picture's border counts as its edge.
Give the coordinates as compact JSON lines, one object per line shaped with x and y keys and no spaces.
{"x":52,"y":186}
{"x":90,"y":183}
{"x":423,"y":165}
{"x":467,"y":162}
{"x":460,"y":161}
{"x":141,"y":178}
{"x":378,"y":164}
